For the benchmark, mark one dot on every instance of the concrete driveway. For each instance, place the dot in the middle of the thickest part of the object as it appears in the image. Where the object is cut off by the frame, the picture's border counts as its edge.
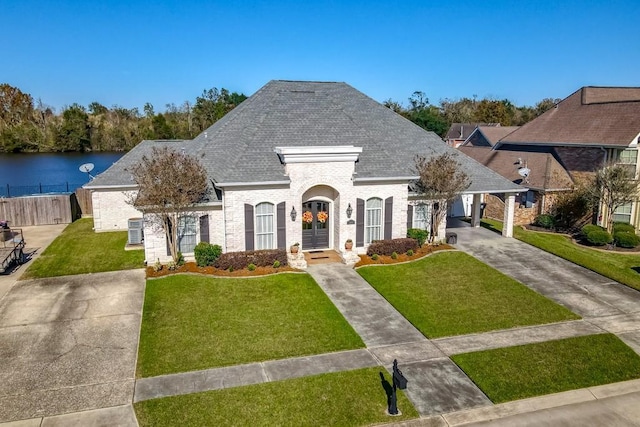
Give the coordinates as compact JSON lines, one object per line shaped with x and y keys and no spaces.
{"x":69,"y":344}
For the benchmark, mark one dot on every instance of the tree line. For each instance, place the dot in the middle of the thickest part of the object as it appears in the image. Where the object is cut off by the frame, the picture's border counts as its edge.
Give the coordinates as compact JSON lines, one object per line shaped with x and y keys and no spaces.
{"x":438,"y":118}
{"x":32,"y":126}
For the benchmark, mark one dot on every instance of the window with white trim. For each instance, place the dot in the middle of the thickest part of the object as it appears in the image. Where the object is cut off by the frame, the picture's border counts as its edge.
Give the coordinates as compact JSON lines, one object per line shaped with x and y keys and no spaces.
{"x":373,"y":220}
{"x":187,"y":231}
{"x":421,"y":216}
{"x":265,"y":236}
{"x":622,"y":214}
{"x":628,"y":158}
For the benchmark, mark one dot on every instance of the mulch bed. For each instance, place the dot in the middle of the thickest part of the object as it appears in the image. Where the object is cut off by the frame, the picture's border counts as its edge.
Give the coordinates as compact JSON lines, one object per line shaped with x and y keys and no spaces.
{"x":192,"y":267}
{"x":419,"y":253}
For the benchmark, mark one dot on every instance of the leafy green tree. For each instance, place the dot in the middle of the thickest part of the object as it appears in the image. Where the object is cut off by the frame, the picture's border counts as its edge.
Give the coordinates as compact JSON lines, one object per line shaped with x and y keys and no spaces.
{"x":74,"y":134}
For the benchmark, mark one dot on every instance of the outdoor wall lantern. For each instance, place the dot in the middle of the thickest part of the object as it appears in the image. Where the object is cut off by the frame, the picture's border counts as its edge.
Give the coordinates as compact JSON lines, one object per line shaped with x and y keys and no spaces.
{"x":349,"y":211}
{"x":293,"y":214}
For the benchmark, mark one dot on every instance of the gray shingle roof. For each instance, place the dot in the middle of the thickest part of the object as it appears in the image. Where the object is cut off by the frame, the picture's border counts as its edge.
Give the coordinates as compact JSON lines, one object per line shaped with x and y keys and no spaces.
{"x":240,"y":146}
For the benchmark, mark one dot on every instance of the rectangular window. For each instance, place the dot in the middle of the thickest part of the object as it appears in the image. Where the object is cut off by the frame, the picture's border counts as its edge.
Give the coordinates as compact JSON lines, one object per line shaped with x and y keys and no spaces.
{"x":186,"y":234}
{"x":629,"y":158}
{"x":623,"y":214}
{"x":422,"y":216}
{"x":264,"y":226}
{"x":373,"y":220}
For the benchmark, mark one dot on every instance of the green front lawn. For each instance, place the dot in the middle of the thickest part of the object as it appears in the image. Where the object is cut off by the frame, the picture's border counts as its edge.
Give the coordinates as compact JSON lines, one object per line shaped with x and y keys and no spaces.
{"x":80,"y":250}
{"x":536,"y":369}
{"x":619,"y":266}
{"x":452,"y":293}
{"x":196,"y":322}
{"x":353,"y":398}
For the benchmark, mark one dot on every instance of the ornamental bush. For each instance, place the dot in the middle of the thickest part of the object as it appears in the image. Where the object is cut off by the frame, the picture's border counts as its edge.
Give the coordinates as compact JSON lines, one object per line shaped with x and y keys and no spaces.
{"x":419,"y":234}
{"x":206,"y":253}
{"x":624,"y":227}
{"x":260,"y":258}
{"x":626,"y":239}
{"x":589,"y":228}
{"x":389,"y":246}
{"x":545,"y":221}
{"x":599,"y":237}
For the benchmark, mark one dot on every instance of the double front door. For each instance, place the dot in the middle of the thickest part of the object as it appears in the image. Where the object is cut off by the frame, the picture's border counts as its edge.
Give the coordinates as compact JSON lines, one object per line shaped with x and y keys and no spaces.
{"x":315,"y":224}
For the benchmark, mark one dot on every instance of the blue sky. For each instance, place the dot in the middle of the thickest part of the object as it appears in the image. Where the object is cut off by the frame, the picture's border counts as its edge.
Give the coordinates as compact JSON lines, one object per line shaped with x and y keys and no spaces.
{"x":130,"y":52}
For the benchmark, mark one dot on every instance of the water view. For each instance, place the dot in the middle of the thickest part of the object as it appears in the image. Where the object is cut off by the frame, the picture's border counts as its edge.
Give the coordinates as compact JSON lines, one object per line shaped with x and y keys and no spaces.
{"x":23,"y":174}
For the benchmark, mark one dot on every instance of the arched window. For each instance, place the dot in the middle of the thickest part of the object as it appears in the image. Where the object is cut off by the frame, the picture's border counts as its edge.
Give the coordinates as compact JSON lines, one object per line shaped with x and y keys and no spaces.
{"x":264,"y":226}
{"x":373,"y":220}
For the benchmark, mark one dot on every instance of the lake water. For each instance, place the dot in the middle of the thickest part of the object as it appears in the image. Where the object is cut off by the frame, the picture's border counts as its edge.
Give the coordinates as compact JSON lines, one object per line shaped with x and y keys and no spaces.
{"x":22,"y":174}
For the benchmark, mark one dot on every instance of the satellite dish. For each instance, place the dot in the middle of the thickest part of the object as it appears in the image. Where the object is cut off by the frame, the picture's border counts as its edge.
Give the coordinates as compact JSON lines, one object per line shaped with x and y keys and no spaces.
{"x":524,"y":172}
{"x":87,"y":167}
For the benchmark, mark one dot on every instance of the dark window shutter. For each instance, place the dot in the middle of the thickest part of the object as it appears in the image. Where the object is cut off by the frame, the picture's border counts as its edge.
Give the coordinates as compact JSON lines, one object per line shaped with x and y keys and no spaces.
{"x":359,"y":222}
{"x":282,"y":225}
{"x":167,"y":236}
{"x":248,"y":228}
{"x":388,"y":217}
{"x":410,"y":217}
{"x":204,"y":228}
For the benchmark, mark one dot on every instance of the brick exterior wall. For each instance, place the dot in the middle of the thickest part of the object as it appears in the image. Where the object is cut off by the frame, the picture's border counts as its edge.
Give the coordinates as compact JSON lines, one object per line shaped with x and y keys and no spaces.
{"x":330,"y":182}
{"x":522,"y":215}
{"x":111,"y":211}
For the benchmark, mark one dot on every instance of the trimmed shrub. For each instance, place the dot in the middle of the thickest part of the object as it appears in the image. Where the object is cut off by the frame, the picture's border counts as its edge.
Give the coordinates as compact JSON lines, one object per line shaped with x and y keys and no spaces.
{"x":374,"y":257}
{"x":206,"y":253}
{"x":599,"y":237}
{"x":545,"y":221}
{"x":388,"y":247}
{"x":589,"y":228}
{"x":410,"y":252}
{"x":251,"y":267}
{"x":419,"y":234}
{"x":276,"y":264}
{"x":261,"y":258}
{"x":394,"y":255}
{"x":626,"y":239}
{"x":624,"y":227}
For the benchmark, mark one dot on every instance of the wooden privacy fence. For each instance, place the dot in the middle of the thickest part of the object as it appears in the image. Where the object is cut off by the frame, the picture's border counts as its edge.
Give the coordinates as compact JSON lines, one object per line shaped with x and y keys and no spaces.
{"x":83,"y":197}
{"x":40,"y":210}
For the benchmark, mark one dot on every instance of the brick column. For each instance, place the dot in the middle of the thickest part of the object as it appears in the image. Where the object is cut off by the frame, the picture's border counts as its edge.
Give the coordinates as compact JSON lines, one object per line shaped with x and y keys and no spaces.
{"x":509,"y":211}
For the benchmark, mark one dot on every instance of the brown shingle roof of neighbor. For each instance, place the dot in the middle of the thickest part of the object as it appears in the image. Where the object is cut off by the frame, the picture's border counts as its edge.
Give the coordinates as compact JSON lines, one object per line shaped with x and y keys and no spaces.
{"x":591,"y":116}
{"x":492,"y":134}
{"x":546,"y":173}
{"x":463,"y":130}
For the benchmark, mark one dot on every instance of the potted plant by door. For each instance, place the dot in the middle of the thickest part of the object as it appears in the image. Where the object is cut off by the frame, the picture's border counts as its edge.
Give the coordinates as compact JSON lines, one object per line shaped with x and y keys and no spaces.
{"x":295,"y":248}
{"x":348,"y":245}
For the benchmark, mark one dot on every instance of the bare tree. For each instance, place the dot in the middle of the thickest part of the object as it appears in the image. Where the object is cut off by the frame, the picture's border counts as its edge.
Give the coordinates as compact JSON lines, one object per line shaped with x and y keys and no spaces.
{"x":170,"y":185}
{"x":614,"y":185}
{"x":440,"y":180}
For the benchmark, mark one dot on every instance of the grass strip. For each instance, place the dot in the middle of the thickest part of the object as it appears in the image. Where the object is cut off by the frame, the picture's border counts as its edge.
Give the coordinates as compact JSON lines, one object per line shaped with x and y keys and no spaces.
{"x":80,"y":250}
{"x":554,"y":366}
{"x":619,"y":266}
{"x":352,"y":398}
{"x":452,"y":293}
{"x":195,"y":322}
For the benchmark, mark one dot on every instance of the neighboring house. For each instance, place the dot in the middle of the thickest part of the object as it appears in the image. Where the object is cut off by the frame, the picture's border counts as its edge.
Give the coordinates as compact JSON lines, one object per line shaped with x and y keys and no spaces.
{"x":459,"y":132}
{"x":309,"y":162}
{"x":567,"y":143}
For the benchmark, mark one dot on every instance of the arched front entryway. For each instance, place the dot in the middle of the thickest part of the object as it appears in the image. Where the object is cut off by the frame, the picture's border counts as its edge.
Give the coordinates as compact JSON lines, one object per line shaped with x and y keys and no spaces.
{"x":318,"y":217}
